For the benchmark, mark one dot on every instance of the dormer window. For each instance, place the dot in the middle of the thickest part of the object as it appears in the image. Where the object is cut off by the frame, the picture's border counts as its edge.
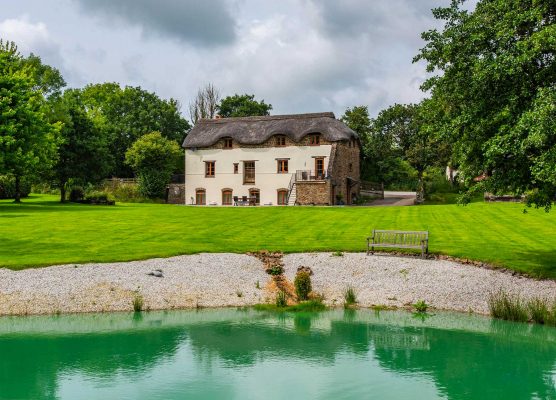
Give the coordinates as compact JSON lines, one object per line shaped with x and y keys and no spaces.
{"x":228,"y":143}
{"x":280,"y":141}
{"x":314,"y":139}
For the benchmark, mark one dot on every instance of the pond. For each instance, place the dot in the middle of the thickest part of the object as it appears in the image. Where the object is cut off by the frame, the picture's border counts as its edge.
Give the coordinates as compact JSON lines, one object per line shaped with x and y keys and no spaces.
{"x":246,"y":354}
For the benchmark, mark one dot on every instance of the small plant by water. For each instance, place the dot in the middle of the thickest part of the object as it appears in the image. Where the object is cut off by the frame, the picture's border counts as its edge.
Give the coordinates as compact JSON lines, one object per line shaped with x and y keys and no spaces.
{"x":281,"y":299}
{"x":421,"y":306}
{"x":538,"y":308}
{"x":138,"y":303}
{"x":349,"y":296}
{"x":507,"y":306}
{"x":302,"y":283}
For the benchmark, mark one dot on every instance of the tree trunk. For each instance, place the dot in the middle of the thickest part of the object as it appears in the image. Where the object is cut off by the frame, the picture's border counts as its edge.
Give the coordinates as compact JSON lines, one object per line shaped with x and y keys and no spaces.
{"x":17,"y":198}
{"x":62,"y":192}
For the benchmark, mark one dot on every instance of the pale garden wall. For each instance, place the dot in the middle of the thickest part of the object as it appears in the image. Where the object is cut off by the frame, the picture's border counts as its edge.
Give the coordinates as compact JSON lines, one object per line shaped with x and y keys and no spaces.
{"x":267,"y":180}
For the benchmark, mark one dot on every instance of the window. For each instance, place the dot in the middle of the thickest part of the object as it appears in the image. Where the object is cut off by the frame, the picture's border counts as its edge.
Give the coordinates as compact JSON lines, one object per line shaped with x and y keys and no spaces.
{"x":209,"y":169}
{"x":350,"y":167}
{"x":226,"y":197}
{"x":249,"y":172}
{"x":200,"y":197}
{"x":236,"y":168}
{"x":314,"y":140}
{"x":228,"y":143}
{"x":280,"y":141}
{"x":319,"y":168}
{"x":282,"y":166}
{"x":256,"y":195}
{"x":282,"y":197}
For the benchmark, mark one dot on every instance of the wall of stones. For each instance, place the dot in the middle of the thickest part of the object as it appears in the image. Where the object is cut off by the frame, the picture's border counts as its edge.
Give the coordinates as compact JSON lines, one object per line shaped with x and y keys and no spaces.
{"x":345,"y":164}
{"x":313,"y":193}
{"x":176,"y":193}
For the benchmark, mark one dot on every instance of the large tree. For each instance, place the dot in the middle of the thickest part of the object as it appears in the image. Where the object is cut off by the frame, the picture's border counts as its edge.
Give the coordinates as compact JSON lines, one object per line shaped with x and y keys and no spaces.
{"x":83,"y":154}
{"x":243,"y":105}
{"x":27,"y":140}
{"x":129,"y":113}
{"x":153,"y":159}
{"x":494,"y":90}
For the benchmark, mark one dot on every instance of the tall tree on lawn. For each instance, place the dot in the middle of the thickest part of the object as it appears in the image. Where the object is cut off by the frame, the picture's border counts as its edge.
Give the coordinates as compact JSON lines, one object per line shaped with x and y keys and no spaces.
{"x":27,"y":140}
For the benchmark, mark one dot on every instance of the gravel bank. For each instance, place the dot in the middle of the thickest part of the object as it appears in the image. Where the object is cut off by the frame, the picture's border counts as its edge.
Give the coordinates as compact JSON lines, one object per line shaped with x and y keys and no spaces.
{"x":221,"y":280}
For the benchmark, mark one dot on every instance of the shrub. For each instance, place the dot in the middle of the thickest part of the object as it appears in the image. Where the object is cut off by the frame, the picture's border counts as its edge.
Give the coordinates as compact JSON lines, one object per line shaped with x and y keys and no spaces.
{"x":76,"y":194}
{"x":349,"y":296}
{"x":508,"y":307}
{"x":138,"y":303}
{"x":97,"y":196}
{"x":7,"y":187}
{"x":128,"y":193}
{"x":538,"y":308}
{"x":338,"y":254}
{"x":275,"y":270}
{"x":421,"y":306}
{"x":281,"y":300}
{"x":302,"y":283}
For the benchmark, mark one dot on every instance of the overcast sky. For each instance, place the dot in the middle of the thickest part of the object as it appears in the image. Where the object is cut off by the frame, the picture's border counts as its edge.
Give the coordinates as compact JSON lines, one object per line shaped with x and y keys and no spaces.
{"x":299,"y":55}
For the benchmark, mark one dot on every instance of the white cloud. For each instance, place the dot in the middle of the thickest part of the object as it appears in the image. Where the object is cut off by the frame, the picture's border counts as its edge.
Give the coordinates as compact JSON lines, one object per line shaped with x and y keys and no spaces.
{"x":31,"y":38}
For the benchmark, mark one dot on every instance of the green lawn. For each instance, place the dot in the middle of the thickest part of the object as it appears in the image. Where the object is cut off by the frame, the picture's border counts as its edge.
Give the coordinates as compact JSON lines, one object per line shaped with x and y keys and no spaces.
{"x":41,"y":232}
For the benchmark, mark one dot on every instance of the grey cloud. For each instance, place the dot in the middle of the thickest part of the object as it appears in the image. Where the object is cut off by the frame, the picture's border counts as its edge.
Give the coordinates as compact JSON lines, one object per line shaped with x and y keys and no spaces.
{"x":198,"y":22}
{"x":380,"y":17}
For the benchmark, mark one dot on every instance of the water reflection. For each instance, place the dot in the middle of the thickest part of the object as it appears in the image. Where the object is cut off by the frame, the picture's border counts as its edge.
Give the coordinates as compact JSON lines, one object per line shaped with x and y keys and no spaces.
{"x":247,"y":354}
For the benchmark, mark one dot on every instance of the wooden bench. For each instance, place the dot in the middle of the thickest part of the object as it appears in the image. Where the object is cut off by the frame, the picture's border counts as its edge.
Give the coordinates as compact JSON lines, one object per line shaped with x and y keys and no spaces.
{"x":399,"y":239}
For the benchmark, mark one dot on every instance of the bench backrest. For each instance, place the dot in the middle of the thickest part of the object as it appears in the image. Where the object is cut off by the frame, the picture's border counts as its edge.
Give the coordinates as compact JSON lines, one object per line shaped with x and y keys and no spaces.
{"x":405,"y":238}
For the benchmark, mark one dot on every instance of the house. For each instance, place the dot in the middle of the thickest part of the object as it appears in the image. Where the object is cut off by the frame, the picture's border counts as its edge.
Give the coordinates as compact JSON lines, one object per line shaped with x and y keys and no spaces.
{"x":302,"y":159}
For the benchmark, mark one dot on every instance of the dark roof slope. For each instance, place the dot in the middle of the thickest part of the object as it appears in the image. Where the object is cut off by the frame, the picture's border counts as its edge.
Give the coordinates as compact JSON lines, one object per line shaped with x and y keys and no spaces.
{"x":256,"y":130}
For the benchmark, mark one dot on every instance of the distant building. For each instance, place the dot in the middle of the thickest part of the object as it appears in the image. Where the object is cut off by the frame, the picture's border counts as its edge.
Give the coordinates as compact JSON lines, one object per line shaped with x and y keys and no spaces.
{"x":272,"y":160}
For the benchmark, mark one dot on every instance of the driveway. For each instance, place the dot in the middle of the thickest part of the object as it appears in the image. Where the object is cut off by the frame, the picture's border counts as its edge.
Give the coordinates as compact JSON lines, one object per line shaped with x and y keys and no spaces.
{"x":396,"y":199}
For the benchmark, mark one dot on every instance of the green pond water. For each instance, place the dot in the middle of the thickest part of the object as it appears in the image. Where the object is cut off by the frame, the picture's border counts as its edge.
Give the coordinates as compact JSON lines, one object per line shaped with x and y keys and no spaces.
{"x":245,"y":354}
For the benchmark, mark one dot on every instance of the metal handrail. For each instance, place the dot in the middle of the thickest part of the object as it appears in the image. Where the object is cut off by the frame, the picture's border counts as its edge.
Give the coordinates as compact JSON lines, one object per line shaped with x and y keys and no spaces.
{"x":290,"y":187}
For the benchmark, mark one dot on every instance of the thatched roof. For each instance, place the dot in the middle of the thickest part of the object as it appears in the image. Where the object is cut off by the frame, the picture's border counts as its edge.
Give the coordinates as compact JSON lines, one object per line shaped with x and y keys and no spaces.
{"x":256,"y":130}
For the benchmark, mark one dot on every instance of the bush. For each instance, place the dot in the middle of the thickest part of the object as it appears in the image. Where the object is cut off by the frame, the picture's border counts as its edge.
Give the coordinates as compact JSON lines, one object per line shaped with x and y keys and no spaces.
{"x":508,"y":307}
{"x":152,"y":184}
{"x":350,"y":297}
{"x":96,"y":196}
{"x":138,"y":303}
{"x":275,"y":270}
{"x":538,"y":308}
{"x":302,"y":283}
{"x":7,"y":187}
{"x":76,"y":194}
{"x":281,"y":300}
{"x":421,"y":306}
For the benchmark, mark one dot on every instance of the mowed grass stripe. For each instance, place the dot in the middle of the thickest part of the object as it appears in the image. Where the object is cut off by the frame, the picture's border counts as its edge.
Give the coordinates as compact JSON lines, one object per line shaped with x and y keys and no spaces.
{"x":42,"y":232}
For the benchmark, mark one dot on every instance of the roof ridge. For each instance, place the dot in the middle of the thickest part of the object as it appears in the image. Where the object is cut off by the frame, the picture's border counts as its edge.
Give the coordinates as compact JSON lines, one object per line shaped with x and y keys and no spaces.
{"x":328,"y":114}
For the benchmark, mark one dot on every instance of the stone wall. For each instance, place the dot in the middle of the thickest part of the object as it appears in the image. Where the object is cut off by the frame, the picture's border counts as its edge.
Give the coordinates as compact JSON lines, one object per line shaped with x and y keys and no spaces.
{"x":176,"y":193}
{"x":345,"y":164}
{"x":313,"y":193}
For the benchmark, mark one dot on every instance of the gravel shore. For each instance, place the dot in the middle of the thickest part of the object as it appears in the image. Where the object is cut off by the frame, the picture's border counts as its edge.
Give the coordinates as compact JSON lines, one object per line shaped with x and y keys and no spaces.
{"x":222,"y":280}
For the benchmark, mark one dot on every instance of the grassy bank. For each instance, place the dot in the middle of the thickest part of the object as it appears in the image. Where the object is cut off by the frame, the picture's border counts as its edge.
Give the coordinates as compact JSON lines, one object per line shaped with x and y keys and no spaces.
{"x":41,"y":231}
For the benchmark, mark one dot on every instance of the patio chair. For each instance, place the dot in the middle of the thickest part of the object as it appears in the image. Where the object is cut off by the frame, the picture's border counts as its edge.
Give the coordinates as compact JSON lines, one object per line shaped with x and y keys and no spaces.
{"x":236,"y":199}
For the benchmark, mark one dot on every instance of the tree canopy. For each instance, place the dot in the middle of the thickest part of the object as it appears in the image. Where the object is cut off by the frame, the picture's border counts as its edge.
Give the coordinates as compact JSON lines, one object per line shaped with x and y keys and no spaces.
{"x":494,"y":87}
{"x":128,"y":113}
{"x":27,"y":140}
{"x":83,"y":155}
{"x":243,"y":106}
{"x":153,"y":159}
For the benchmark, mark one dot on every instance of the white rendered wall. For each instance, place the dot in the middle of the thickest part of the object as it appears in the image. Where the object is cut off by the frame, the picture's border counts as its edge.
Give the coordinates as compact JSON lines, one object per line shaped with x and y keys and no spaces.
{"x":267,"y":180}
